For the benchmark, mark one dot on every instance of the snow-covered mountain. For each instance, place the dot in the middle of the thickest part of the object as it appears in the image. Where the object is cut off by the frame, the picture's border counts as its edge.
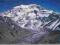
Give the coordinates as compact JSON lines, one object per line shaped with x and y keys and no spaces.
{"x":31,"y":17}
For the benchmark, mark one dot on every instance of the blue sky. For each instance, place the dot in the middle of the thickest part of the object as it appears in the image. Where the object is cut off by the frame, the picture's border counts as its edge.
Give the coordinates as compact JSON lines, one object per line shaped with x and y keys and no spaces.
{"x":49,"y":4}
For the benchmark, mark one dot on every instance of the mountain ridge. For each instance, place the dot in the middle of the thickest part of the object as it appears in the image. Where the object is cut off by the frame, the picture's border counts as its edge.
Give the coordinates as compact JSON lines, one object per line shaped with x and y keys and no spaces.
{"x":34,"y":19}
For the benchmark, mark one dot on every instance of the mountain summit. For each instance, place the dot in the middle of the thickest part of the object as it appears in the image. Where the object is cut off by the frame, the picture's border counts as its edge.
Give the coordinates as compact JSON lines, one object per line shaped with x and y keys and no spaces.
{"x":28,"y":16}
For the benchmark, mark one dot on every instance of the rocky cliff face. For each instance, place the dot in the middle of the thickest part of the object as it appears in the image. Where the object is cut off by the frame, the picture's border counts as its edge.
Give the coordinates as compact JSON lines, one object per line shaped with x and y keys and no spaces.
{"x":27,"y":24}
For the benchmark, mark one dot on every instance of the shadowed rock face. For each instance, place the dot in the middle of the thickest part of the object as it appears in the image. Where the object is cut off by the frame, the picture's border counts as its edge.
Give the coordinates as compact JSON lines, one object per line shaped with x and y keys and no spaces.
{"x":27,"y":24}
{"x":8,"y":33}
